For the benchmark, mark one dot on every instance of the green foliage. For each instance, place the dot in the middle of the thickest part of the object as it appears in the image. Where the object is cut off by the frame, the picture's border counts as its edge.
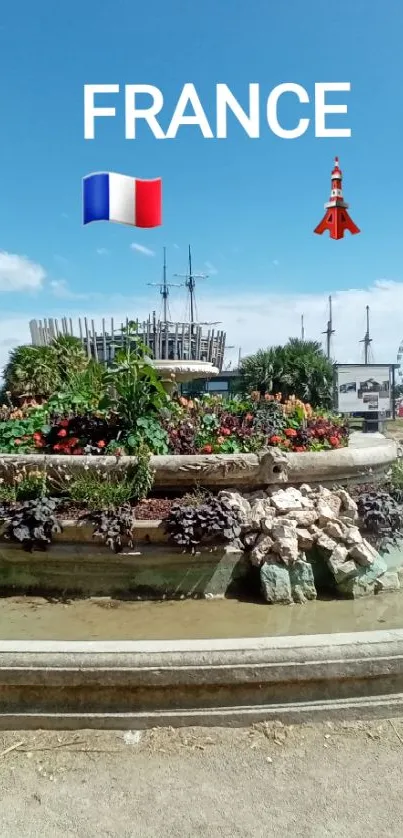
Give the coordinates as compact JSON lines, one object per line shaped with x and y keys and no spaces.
{"x":84,"y":390}
{"x":40,"y":371}
{"x":300,"y":368}
{"x":136,"y":389}
{"x":70,"y":355}
{"x":100,"y":491}
{"x":32,"y":371}
{"x":149,"y":433}
{"x":16,"y":435}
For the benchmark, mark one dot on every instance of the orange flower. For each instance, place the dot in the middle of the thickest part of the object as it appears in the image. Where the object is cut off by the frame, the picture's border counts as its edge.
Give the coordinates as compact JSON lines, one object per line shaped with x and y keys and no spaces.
{"x":290,"y":432}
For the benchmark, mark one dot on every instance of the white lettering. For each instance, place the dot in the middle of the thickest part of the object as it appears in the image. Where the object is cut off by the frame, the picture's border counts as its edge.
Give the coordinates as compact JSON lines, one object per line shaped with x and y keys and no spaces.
{"x":272,"y":118}
{"x":189,"y":96}
{"x":226,"y":99}
{"x":149,"y":114}
{"x":321,"y":108}
{"x":90,"y":111}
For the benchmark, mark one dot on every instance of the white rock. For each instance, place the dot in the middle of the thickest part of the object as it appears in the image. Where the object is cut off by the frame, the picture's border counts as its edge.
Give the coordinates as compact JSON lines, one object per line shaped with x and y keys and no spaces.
{"x":305,"y":490}
{"x":305,"y":539}
{"x":326,"y":513}
{"x":286,"y":500}
{"x":268,"y":522}
{"x":341,"y":568}
{"x":353,"y":536}
{"x":303,"y":517}
{"x":336,"y":530}
{"x":325,"y":543}
{"x":287,"y":548}
{"x":307,"y":503}
{"x":364,"y":554}
{"x":348,"y":505}
{"x":261,"y":550}
{"x":387,"y":582}
{"x":283,"y":528}
{"x":258,"y":513}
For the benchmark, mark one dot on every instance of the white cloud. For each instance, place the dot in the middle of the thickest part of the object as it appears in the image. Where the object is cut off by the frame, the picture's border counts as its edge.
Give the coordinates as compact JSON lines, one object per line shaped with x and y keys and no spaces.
{"x":211,"y":268}
{"x":253,"y":320}
{"x":139,"y":248}
{"x":17,"y":273}
{"x":61,"y":290}
{"x":102,"y":251}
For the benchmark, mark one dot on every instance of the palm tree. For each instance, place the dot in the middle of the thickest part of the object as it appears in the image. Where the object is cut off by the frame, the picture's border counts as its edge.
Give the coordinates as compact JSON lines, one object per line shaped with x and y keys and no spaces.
{"x":32,"y":371}
{"x":263,"y":371}
{"x":39,"y":371}
{"x":70,"y":354}
{"x":299,"y":368}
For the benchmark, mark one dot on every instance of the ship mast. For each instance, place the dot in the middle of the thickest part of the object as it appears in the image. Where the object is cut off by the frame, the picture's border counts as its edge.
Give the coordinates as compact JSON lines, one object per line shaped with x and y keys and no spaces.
{"x":164,"y":287}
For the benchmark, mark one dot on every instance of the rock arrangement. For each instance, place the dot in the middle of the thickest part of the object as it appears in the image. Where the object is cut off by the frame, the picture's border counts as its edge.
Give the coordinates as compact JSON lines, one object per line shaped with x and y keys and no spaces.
{"x":304,"y":540}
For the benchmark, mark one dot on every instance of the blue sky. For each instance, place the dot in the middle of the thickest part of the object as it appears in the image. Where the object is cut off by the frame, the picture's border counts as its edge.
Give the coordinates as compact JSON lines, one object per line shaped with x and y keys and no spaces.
{"x":248,"y":207}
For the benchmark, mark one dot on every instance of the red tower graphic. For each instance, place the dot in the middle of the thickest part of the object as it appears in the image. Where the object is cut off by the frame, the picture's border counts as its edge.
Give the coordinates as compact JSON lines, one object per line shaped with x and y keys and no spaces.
{"x":336,"y":218}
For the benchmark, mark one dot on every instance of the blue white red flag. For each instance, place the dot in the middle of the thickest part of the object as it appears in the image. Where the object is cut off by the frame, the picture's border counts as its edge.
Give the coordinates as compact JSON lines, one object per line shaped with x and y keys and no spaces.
{"x":108,"y":196}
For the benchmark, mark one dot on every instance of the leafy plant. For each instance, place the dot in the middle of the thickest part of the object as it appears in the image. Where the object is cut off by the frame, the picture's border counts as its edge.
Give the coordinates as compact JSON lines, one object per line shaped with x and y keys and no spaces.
{"x":25,"y":435}
{"x":381,"y":516}
{"x":100,"y":491}
{"x":113,"y":526}
{"x":190,"y":525}
{"x":32,"y":523}
{"x":150,"y":433}
{"x":135,"y":387}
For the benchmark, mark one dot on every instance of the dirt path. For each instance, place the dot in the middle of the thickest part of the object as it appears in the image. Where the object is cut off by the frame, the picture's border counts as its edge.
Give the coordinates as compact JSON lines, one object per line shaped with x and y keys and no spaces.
{"x":314,"y":781}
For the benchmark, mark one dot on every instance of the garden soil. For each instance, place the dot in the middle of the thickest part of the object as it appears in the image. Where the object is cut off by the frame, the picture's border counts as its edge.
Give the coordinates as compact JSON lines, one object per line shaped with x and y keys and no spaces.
{"x":316,"y":781}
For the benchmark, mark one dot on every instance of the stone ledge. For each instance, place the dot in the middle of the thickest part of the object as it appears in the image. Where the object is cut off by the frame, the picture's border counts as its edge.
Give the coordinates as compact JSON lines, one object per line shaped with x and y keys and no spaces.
{"x":363,"y":459}
{"x":217,"y":682}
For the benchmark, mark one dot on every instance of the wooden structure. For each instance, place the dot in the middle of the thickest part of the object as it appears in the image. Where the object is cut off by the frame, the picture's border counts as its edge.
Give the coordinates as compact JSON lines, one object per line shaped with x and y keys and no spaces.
{"x":166,"y":341}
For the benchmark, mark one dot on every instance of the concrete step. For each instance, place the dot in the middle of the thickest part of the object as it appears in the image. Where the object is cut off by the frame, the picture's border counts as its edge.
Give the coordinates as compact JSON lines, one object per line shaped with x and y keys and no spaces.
{"x":219,"y":682}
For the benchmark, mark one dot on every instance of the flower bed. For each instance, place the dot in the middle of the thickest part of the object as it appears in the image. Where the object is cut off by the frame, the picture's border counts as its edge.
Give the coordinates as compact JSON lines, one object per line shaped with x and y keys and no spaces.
{"x":210,"y":425}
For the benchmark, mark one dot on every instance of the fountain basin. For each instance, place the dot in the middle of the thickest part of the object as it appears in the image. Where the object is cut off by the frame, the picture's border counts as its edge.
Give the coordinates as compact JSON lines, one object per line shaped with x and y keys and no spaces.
{"x":136,"y":684}
{"x":367,"y":458}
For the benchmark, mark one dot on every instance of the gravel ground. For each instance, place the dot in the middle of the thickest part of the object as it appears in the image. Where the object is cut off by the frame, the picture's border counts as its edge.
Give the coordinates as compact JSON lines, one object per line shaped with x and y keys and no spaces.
{"x":314,"y":781}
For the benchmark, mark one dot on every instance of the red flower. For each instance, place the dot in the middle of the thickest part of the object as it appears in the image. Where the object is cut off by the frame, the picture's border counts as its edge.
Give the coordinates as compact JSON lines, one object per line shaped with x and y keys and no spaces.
{"x":225,"y":432}
{"x":18,"y":442}
{"x":275,"y":440}
{"x":290,"y":432}
{"x":39,"y":443}
{"x":37,"y":435}
{"x":63,"y":432}
{"x":320,"y":432}
{"x":249,"y":417}
{"x":334,"y":440}
{"x":101,"y":443}
{"x":57,"y":447}
{"x":64,"y":423}
{"x":207,"y":449}
{"x":78,"y":451}
{"x":299,"y":449}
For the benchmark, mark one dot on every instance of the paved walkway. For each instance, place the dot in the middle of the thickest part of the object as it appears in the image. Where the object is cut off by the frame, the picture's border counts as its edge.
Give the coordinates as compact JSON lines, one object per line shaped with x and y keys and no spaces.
{"x":341,"y":781}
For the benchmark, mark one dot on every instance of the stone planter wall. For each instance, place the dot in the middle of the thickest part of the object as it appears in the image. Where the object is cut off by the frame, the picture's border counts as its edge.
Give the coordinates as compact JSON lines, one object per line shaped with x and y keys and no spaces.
{"x":367,"y":458}
{"x":78,"y":564}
